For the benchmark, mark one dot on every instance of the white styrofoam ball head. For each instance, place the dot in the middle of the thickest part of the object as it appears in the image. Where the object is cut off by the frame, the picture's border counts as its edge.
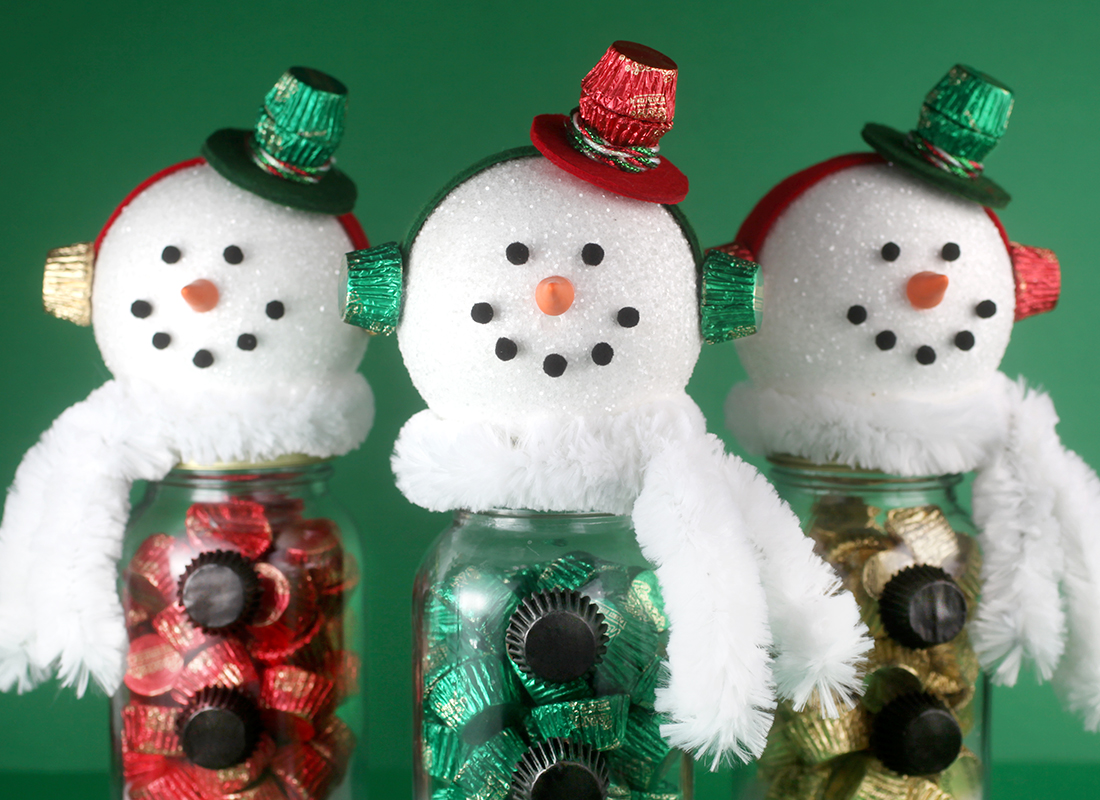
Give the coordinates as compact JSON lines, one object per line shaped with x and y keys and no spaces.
{"x":473,"y":336}
{"x":278,"y":274}
{"x":837,"y":319}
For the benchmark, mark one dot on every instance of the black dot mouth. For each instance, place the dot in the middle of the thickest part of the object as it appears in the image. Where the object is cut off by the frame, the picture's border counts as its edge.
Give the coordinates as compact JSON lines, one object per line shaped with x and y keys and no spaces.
{"x":506,"y":349}
{"x":602,"y":354}
{"x":964,"y":340}
{"x":203,"y":359}
{"x":885,"y":340}
{"x":926,"y":355}
{"x":161,"y":340}
{"x":246,"y":341}
{"x":554,"y":365}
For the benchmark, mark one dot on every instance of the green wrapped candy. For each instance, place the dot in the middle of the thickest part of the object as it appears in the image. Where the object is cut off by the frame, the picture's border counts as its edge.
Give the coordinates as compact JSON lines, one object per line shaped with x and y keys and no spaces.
{"x":443,"y":751}
{"x":477,"y":697}
{"x":645,"y":757}
{"x":600,"y":722}
{"x":571,"y":571}
{"x":487,"y":773}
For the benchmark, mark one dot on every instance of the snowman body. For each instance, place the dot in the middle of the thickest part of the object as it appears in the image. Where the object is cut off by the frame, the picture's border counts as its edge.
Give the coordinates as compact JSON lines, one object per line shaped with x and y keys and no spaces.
{"x":217,"y":312}
{"x":571,"y":399}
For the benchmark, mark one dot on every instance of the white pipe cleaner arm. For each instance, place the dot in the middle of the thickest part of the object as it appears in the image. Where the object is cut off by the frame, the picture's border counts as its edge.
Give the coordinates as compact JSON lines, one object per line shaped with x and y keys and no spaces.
{"x":820,"y":639}
{"x":1020,"y":617}
{"x":720,"y":696}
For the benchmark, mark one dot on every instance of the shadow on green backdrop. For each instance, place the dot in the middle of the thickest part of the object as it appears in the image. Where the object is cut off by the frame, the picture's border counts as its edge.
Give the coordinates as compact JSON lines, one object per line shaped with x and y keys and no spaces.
{"x":100,"y":96}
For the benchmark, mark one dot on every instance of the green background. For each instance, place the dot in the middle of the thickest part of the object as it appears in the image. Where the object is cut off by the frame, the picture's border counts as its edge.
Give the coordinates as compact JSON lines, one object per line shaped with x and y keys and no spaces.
{"x":96,"y":97}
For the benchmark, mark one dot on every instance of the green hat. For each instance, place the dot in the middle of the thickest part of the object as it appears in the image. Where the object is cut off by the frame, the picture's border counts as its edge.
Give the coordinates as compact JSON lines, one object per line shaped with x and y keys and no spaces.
{"x":961,"y":120}
{"x":287,"y":157}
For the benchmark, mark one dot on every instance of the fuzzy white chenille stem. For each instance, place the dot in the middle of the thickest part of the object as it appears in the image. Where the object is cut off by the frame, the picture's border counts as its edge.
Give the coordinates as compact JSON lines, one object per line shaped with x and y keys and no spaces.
{"x":63,"y":524}
{"x":694,"y":511}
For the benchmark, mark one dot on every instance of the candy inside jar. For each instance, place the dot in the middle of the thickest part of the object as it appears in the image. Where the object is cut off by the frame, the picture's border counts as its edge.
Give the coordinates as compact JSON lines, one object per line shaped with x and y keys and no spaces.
{"x":538,"y":662}
{"x":243,"y":667}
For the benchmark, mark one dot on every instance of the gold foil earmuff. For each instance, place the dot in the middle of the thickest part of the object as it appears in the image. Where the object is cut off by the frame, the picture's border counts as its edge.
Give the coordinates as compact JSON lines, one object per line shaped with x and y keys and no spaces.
{"x":67,"y":282}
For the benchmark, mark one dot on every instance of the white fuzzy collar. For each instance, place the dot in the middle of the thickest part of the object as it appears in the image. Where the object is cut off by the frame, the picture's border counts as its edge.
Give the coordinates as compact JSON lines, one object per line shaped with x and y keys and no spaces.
{"x":902,"y":437}
{"x":591,"y":463}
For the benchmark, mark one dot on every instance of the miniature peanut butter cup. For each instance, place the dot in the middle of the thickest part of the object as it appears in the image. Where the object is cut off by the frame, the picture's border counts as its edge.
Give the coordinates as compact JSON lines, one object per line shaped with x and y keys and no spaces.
{"x":557,"y":636}
{"x":220,"y":590}
{"x":560,"y":769}
{"x":915,"y":734}
{"x":922,"y":606}
{"x":219,"y":728}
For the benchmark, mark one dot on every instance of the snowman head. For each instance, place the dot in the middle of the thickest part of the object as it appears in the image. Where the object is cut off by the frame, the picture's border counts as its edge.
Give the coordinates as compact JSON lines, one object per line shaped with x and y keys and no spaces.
{"x":554,"y":280}
{"x":220,"y":272}
{"x":883,"y":282}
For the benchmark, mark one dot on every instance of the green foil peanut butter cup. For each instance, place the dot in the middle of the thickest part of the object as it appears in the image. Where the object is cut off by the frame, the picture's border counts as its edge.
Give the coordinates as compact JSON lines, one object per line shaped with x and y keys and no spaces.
{"x":644,"y":758}
{"x":476,"y":698}
{"x":599,"y":722}
{"x":444,"y":751}
{"x":571,"y":571}
{"x":482,"y":600}
{"x":487,"y":774}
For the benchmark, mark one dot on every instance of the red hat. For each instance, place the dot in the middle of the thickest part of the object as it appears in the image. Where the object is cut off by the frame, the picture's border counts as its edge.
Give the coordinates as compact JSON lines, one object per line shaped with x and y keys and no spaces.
{"x":627,"y":104}
{"x":1036,"y":269}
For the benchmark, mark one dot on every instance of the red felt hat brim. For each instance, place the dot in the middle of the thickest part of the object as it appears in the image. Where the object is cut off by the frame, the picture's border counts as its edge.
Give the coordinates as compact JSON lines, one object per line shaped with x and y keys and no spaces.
{"x":662,"y":184}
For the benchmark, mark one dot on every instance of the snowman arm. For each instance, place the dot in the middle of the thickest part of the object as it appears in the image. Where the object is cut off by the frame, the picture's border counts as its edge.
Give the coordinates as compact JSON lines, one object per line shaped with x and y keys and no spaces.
{"x":720,"y":696}
{"x":819,"y":637}
{"x":1020,"y":616}
{"x":1077,"y":508}
{"x":62,"y":535}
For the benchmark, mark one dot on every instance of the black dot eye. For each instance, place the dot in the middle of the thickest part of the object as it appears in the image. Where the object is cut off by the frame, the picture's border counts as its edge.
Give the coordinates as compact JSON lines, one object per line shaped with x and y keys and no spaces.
{"x":857,"y":315}
{"x":891,"y":251}
{"x":233,"y":254}
{"x":602,"y":354}
{"x":141,"y":309}
{"x":203,"y":359}
{"x":592,"y":254}
{"x":517,"y":253}
{"x":275,"y":309}
{"x":627,"y":317}
{"x":481,"y":313}
{"x":950,"y":251}
{"x":506,"y":349}
{"x":161,"y":340}
{"x":886,"y":340}
{"x":554,"y":365}
{"x":170,"y":255}
{"x":986,"y":309}
{"x":964,"y":340}
{"x":246,"y":341}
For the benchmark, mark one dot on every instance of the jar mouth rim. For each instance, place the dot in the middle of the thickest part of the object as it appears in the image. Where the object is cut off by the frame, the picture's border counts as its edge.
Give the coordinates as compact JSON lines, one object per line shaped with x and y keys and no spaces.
{"x":279,"y":462}
{"x":527,"y":513}
{"x":837,"y":471}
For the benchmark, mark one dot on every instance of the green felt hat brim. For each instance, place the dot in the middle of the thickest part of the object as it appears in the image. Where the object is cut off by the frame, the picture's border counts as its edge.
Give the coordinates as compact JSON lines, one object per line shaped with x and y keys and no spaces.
{"x":891,"y":145}
{"x":227,"y":151}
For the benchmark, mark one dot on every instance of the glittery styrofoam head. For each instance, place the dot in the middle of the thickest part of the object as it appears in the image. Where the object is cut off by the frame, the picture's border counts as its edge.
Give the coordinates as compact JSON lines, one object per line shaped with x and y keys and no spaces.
{"x":878,"y":284}
{"x":529,"y":291}
{"x":200,"y":284}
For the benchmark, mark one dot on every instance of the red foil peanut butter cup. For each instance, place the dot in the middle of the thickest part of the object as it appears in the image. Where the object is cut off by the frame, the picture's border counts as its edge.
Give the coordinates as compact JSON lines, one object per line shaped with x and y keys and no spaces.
{"x":177,"y":629}
{"x":153,"y":665}
{"x":305,"y":773}
{"x":151,"y":730}
{"x":225,"y":665}
{"x":239,"y":523}
{"x":220,"y":782}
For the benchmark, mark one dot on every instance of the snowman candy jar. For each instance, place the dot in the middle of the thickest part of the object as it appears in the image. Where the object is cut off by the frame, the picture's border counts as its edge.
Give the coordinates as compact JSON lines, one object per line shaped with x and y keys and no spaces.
{"x":214,"y":293}
{"x":891,"y":293}
{"x":549,"y":313}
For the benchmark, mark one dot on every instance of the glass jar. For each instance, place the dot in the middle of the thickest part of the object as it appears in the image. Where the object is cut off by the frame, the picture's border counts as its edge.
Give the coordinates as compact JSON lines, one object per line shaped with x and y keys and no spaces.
{"x":239,"y":585}
{"x":539,"y":640}
{"x":906,"y":549}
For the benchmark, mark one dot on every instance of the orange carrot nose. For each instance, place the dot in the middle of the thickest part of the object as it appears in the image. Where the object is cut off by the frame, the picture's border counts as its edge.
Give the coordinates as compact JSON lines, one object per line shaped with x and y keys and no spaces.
{"x":201,"y":295}
{"x":926,"y":289}
{"x":554,"y":295}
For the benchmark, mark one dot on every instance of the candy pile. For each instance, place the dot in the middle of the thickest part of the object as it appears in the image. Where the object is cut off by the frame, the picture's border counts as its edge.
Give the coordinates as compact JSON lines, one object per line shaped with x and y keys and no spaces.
{"x":916,"y":580}
{"x":545,"y":677}
{"x":237,"y":659}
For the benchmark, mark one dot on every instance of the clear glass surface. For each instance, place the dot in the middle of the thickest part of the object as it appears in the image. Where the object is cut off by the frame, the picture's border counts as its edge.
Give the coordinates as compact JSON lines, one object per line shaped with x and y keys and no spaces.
{"x":884,"y":534}
{"x":243,"y":680}
{"x":538,"y":644}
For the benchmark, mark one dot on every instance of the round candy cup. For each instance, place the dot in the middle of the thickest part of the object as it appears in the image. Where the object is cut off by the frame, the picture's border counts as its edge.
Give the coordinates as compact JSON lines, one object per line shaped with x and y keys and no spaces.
{"x":152,"y":665}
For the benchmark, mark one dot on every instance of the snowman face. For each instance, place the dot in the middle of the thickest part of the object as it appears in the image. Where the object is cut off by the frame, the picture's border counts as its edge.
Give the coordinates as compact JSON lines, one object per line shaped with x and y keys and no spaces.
{"x":200,"y":284}
{"x":878,"y":284}
{"x":530,"y":292}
